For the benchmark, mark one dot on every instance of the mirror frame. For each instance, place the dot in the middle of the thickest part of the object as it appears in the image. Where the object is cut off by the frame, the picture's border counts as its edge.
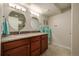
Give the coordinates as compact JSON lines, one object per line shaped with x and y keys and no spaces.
{"x":21,"y":18}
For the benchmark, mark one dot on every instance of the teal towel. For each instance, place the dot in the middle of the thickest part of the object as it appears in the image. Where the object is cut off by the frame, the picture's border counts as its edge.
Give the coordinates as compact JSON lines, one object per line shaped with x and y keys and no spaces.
{"x":47,"y":30}
{"x":5,"y":27}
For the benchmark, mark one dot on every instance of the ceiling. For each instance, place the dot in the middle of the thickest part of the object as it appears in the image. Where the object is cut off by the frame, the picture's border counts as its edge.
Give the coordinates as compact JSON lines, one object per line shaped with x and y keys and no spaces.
{"x":63,"y":6}
{"x":48,"y":9}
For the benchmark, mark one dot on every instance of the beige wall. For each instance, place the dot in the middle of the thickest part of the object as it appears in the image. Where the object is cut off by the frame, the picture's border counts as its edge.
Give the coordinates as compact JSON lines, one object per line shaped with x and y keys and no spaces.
{"x":75,"y":29}
{"x":61,"y":27}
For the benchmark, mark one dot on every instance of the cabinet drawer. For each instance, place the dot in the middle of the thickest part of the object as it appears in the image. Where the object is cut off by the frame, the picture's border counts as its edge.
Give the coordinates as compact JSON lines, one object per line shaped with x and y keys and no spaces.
{"x":10,"y":45}
{"x":44,"y":37}
{"x":35,"y":45}
{"x":20,"y":51}
{"x":35,"y":38}
{"x":35,"y":53}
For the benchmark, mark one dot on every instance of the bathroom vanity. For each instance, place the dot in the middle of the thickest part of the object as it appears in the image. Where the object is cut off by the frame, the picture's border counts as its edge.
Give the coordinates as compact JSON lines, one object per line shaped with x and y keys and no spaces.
{"x":30,"y":44}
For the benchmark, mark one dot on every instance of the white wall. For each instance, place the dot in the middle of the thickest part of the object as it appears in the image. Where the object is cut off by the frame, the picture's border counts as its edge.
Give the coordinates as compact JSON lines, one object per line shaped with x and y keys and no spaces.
{"x":1,"y":5}
{"x":1,"y":17}
{"x":75,"y":29}
{"x":61,"y":27}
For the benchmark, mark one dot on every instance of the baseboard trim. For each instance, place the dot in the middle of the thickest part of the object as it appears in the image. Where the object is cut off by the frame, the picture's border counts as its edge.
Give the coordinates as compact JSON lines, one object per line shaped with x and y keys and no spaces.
{"x":61,"y":46}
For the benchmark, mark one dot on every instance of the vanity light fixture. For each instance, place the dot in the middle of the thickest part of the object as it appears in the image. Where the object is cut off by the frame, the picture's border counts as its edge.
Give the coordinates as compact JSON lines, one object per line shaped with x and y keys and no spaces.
{"x":17,"y":7}
{"x":12,"y":5}
{"x":35,"y":8}
{"x":34,"y":13}
{"x":23,"y":9}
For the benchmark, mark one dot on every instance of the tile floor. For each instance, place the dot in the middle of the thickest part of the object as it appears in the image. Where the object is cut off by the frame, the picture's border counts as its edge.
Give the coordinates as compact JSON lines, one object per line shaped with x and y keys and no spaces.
{"x":56,"y":51}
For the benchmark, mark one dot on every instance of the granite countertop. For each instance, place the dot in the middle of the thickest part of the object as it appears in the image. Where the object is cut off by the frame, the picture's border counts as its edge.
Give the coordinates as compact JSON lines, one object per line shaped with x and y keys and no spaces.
{"x":19,"y":36}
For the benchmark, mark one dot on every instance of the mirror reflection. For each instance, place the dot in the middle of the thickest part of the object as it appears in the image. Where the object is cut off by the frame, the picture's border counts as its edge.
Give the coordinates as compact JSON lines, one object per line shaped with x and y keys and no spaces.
{"x":35,"y":23}
{"x":16,"y":20}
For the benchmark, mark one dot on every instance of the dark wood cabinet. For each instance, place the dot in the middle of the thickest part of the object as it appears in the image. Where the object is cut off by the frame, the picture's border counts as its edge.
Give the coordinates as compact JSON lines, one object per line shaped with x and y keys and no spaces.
{"x":35,"y":53}
{"x":44,"y":43}
{"x":14,"y":44}
{"x":20,"y":51}
{"x":16,"y":48}
{"x":33,"y":46}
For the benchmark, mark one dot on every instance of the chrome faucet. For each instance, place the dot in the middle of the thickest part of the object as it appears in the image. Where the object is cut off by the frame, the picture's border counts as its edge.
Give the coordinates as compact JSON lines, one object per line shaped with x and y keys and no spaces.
{"x":19,"y":32}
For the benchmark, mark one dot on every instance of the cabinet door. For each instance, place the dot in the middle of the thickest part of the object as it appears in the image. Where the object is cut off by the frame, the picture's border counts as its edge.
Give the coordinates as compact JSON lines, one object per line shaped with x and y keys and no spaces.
{"x":19,"y":51}
{"x":44,"y":44}
{"x":14,"y":44}
{"x":35,"y":45}
{"x":2,"y":50}
{"x":35,"y":53}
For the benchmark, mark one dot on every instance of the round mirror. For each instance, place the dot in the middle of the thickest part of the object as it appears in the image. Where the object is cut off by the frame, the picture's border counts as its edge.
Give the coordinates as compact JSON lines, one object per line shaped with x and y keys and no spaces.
{"x":35,"y":23}
{"x":16,"y":20}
